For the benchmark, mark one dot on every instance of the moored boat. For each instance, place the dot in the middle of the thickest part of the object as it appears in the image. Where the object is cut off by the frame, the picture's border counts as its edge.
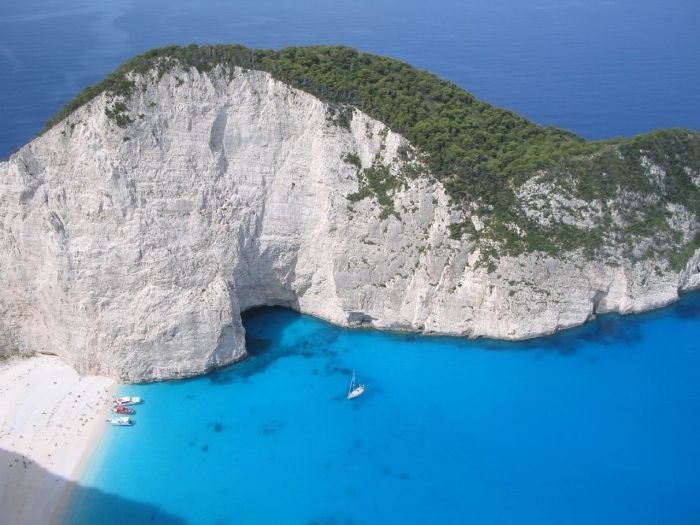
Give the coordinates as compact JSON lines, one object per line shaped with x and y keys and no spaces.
{"x":121,"y":409}
{"x":126,"y":400}
{"x":355,"y":390}
{"x":124,"y":421}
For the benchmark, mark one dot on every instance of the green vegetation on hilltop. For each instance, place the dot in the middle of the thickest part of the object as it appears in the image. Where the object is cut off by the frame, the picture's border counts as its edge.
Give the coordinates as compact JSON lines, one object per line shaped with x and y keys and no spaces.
{"x":480,"y":153}
{"x":472,"y":145}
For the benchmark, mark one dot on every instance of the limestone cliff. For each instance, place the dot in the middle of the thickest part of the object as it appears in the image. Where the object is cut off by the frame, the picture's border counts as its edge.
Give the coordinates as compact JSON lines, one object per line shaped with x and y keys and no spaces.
{"x":131,"y":250}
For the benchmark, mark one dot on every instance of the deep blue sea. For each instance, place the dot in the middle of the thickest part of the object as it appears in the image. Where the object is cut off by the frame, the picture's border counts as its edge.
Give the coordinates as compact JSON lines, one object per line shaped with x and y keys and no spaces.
{"x":599,"y":425}
{"x":601,"y":68}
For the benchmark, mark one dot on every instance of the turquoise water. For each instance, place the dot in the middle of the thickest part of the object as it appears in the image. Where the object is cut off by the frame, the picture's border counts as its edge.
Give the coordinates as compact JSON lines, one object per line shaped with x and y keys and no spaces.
{"x":595,"y":425}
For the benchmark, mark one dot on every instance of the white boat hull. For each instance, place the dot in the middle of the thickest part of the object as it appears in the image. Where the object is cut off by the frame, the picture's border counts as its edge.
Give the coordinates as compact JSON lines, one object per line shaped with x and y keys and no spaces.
{"x":126,"y":401}
{"x":355,"y":389}
{"x":120,"y":421}
{"x":356,"y":392}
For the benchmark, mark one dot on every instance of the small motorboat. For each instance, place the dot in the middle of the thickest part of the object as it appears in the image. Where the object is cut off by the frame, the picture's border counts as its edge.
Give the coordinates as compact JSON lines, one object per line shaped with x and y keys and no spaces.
{"x":355,"y":389}
{"x":121,"y":409}
{"x":126,"y":400}
{"x":120,"y":421}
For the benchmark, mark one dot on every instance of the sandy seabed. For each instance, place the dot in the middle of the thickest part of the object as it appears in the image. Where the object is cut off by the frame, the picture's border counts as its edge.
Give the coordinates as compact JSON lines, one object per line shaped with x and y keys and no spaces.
{"x":50,"y":421}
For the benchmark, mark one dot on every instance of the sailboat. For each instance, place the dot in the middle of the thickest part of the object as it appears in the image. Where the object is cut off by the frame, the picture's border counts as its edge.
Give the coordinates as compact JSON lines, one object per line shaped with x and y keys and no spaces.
{"x":355,"y":389}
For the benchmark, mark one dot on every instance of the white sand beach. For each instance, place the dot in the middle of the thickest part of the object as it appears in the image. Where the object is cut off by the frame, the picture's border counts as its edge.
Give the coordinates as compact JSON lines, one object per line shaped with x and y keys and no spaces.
{"x":50,"y":420}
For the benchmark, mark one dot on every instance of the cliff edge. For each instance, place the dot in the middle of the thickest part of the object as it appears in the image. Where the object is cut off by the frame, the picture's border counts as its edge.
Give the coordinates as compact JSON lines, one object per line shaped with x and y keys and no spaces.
{"x":136,"y":229}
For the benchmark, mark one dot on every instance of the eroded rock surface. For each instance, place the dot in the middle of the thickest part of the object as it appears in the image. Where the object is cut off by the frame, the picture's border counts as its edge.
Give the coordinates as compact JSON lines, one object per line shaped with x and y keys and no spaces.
{"x":131,"y":251}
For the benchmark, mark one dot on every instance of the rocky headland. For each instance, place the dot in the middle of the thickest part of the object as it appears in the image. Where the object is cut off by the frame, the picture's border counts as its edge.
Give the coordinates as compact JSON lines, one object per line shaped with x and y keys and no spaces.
{"x":136,"y":229}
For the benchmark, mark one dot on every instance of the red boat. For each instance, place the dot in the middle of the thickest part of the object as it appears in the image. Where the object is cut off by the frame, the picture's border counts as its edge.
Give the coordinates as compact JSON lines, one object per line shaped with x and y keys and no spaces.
{"x":119,"y":409}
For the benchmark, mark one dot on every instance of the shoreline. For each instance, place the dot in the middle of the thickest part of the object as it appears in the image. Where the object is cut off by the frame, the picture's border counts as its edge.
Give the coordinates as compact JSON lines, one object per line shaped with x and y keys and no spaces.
{"x":95,"y":438}
{"x":659,"y":309}
{"x":51,"y":422}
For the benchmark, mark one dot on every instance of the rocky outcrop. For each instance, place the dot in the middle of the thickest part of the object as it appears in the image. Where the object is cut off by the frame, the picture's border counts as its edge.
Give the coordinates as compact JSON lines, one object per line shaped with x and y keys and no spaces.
{"x":131,"y":251}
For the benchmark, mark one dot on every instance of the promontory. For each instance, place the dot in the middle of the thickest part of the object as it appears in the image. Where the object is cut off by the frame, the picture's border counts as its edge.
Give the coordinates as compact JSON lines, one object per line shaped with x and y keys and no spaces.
{"x":194,"y":183}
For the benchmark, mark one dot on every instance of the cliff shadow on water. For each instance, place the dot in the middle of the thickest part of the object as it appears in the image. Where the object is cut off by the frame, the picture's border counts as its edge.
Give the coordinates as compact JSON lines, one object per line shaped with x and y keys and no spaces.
{"x":610,"y":329}
{"x":607,"y":330}
{"x":86,"y":505}
{"x":276,"y":332}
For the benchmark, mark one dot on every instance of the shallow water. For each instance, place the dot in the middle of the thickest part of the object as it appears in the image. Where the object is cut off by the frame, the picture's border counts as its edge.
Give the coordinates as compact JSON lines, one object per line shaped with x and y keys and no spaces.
{"x":595,"y":425}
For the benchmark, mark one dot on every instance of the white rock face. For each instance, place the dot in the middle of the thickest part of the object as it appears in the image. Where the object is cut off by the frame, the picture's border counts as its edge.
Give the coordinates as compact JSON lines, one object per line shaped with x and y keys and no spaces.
{"x":132,"y":251}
